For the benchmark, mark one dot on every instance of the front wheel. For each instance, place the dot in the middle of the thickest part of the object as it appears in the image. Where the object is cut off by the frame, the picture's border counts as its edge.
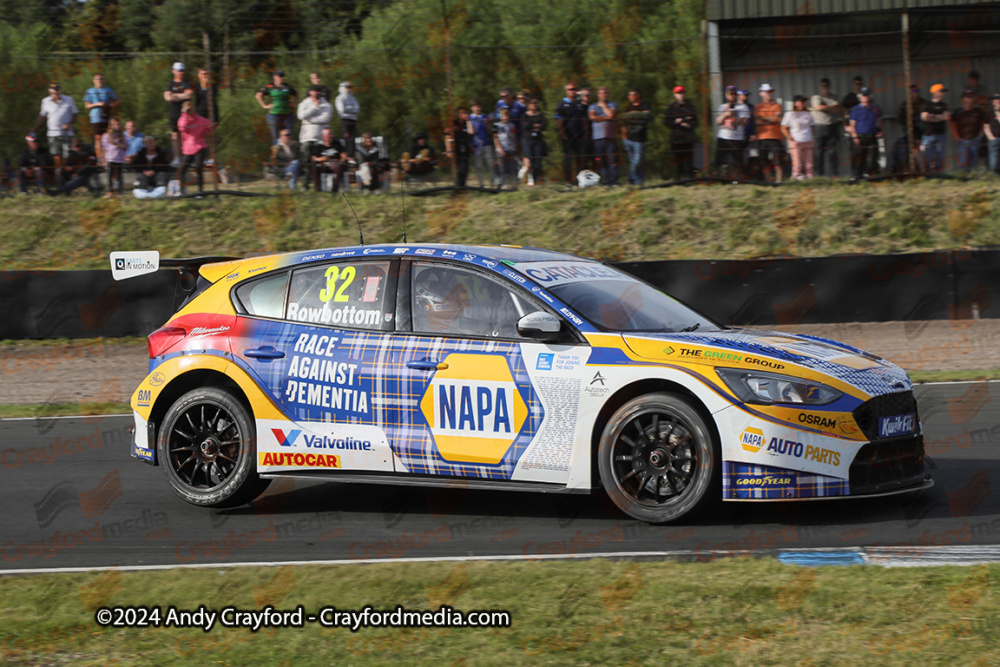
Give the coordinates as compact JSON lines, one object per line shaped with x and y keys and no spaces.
{"x":207,"y":448}
{"x":657,"y":459}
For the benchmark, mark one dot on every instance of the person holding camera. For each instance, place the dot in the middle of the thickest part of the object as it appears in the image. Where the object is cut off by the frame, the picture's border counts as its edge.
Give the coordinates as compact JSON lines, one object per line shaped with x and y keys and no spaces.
{"x":99,"y":101}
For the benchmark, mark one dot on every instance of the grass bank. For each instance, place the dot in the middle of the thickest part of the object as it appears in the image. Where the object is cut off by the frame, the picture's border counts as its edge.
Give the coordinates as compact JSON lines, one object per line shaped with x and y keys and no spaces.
{"x":740,"y":611}
{"x":697,"y":222}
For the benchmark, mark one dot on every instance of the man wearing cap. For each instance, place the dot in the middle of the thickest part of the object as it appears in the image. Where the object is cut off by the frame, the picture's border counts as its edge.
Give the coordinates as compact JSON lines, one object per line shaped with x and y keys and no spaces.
{"x":33,"y":165}
{"x":59,"y":112}
{"x":827,"y":115}
{"x":602,"y":116}
{"x":767,"y":121}
{"x":967,"y":129}
{"x":866,"y":129}
{"x":279,"y":99}
{"x":348,"y":110}
{"x":682,"y":119}
{"x":992,"y":130}
{"x":178,"y":91}
{"x":315,"y":114}
{"x":570,"y":115}
{"x":732,"y":119}
{"x":935,"y":116}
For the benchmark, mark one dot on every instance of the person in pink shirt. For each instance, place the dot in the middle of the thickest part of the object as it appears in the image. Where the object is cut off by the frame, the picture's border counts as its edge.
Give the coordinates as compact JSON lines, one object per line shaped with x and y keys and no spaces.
{"x":113,"y":146}
{"x":194,"y":147}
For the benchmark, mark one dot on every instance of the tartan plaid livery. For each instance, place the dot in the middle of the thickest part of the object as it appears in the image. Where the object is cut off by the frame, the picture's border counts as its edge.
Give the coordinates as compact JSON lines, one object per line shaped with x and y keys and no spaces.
{"x":768,"y":482}
{"x":394,"y":390}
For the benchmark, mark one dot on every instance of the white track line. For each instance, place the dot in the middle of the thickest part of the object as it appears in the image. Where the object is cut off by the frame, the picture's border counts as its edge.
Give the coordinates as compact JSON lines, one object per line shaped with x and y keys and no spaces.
{"x":884,"y":556}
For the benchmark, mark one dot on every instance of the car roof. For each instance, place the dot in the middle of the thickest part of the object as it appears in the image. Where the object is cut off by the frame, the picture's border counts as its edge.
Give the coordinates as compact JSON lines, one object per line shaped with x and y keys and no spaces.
{"x":462,"y":252}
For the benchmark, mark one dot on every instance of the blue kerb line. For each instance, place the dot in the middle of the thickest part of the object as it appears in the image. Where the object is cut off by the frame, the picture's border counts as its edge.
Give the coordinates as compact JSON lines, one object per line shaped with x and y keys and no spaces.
{"x":820,"y":558}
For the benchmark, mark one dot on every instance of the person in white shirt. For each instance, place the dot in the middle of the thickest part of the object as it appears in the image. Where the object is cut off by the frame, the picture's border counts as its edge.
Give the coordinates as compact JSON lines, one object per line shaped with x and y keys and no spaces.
{"x":797,"y":126}
{"x":59,"y":111}
{"x":315,"y":114}
{"x":732,"y":118}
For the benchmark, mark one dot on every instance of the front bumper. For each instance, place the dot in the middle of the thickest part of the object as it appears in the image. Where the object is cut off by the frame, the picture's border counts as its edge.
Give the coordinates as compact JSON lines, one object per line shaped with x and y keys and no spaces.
{"x":143,"y":440}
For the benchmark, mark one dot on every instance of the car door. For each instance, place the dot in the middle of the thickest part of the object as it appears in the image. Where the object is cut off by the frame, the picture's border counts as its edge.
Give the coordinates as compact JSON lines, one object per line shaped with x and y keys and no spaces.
{"x":475,"y":398}
{"x":316,"y":338}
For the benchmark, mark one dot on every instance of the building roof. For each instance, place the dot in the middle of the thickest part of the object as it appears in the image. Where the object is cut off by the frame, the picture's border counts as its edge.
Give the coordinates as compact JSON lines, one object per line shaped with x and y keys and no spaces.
{"x":725,"y":10}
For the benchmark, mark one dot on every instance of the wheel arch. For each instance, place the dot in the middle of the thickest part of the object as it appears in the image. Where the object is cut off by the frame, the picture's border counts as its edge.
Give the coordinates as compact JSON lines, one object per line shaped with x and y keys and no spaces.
{"x":640,"y":388}
{"x":184,"y":383}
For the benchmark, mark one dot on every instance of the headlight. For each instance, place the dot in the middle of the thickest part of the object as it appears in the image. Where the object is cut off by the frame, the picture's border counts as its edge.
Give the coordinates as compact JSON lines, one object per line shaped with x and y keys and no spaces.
{"x":759,"y":387}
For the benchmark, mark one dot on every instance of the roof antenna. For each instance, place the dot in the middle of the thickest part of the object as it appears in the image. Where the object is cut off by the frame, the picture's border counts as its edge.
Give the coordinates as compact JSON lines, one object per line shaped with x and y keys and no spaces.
{"x":361,"y":234}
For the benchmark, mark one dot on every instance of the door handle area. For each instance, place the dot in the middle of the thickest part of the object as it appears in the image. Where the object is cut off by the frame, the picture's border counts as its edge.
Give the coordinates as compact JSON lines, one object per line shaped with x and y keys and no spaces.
{"x":265,"y":352}
{"x":427,"y":365}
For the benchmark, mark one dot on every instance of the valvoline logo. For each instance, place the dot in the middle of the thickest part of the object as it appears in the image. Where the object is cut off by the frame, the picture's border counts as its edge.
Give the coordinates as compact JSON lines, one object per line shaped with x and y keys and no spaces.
{"x":473,"y":408}
{"x":283,"y":440}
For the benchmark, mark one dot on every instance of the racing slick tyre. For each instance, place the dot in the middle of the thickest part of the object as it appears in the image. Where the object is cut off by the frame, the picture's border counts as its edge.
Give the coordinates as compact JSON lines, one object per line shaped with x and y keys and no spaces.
{"x":207,"y":446}
{"x":658,"y":460}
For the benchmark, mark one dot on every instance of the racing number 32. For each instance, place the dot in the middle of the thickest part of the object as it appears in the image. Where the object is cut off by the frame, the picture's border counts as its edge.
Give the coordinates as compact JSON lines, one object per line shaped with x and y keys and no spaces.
{"x":331,"y":291}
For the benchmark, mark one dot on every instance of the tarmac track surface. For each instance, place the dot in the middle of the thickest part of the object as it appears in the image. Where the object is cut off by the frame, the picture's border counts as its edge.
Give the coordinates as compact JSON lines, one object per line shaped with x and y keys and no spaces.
{"x":73,"y":497}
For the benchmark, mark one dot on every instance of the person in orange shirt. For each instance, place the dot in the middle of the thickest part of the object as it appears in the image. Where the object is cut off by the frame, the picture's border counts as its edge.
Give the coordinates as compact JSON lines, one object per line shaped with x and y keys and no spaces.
{"x":767,"y":123}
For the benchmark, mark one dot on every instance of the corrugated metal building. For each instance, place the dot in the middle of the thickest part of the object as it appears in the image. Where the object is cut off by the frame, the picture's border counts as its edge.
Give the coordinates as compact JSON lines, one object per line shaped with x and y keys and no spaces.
{"x":792,"y":44}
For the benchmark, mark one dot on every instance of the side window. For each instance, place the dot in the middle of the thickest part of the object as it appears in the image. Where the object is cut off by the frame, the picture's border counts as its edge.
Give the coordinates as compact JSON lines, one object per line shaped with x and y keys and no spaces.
{"x":265,"y":297}
{"x":351,"y":295}
{"x":452,"y":300}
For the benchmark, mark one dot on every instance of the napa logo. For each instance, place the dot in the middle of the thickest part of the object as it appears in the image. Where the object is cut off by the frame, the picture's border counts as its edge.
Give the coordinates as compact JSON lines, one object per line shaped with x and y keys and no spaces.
{"x":752,"y":439}
{"x":473,"y":408}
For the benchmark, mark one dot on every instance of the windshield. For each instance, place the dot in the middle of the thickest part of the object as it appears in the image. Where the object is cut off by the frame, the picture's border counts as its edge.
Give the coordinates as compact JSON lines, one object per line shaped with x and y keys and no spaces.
{"x":612,"y":300}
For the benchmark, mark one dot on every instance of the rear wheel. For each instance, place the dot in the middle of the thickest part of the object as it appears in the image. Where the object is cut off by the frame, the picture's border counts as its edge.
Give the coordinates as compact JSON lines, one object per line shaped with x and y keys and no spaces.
{"x":658,"y":460}
{"x":207,"y":448}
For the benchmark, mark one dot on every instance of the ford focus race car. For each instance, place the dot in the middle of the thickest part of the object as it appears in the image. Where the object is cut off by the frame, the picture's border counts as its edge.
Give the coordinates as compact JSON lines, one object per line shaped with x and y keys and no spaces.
{"x":508,"y":368}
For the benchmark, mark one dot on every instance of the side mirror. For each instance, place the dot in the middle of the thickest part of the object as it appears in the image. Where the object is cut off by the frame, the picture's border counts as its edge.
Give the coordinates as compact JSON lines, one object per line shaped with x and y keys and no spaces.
{"x":539,"y":326}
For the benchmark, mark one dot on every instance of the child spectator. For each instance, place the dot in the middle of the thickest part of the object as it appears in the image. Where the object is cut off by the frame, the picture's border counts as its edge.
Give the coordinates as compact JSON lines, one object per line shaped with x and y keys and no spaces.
{"x":421,"y":159}
{"x":194,"y":148}
{"x":505,"y":142}
{"x":482,"y":145}
{"x":77,"y":169}
{"x":113,"y":147}
{"x":279,"y":99}
{"x":797,"y":125}
{"x":534,"y":124}
{"x":134,"y":141}
{"x":99,"y":101}
{"x":767,"y":121}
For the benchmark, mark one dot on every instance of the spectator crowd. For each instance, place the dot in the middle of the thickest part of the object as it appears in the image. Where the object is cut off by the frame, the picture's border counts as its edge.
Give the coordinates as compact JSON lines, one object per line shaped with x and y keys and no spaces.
{"x":316,"y":143}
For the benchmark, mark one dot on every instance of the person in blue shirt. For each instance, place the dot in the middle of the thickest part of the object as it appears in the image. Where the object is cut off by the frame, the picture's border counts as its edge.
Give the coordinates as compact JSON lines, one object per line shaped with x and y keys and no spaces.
{"x":482,"y":146}
{"x":866,"y":129}
{"x":134,"y":140}
{"x":99,"y":101}
{"x":602,"y":116}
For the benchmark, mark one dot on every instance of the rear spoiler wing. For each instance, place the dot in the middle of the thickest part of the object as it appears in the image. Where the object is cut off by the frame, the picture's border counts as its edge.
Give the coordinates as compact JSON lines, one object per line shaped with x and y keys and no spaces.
{"x":130,"y":264}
